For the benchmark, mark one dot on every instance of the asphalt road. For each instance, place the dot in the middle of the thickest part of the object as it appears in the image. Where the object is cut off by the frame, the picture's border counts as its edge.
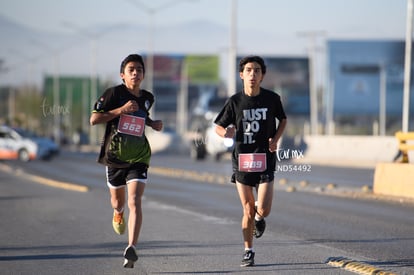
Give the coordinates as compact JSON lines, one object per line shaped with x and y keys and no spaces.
{"x":192,"y":223}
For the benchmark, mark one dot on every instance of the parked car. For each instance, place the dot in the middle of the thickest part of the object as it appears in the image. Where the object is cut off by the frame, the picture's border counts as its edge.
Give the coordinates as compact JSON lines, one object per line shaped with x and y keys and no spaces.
{"x":15,"y":146}
{"x":217,"y":146}
{"x":46,"y":145}
{"x":204,"y":139}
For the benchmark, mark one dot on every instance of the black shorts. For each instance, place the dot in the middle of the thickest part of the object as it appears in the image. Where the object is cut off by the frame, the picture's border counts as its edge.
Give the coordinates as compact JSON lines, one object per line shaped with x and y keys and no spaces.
{"x":252,"y":178}
{"x":118,"y":177}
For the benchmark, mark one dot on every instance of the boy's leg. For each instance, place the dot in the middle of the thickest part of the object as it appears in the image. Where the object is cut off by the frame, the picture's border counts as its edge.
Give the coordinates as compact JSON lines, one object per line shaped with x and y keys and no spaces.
{"x":135,"y":193}
{"x":263,"y":207}
{"x":264,"y":199}
{"x":117,"y":198}
{"x":117,"y":203}
{"x":247,"y":200}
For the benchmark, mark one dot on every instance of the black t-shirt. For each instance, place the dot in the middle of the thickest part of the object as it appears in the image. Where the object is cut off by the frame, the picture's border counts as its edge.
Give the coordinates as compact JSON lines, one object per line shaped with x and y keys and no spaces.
{"x":255,"y":122}
{"x":119,"y":149}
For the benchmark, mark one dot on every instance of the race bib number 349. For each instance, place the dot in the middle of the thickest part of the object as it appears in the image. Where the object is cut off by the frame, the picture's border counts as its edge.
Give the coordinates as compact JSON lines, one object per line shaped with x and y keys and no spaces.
{"x":131,"y":125}
{"x":252,"y":162}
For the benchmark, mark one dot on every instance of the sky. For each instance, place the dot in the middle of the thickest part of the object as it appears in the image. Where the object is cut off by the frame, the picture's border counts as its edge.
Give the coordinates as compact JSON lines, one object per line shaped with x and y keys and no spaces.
{"x":339,"y":17}
{"x":271,"y":27}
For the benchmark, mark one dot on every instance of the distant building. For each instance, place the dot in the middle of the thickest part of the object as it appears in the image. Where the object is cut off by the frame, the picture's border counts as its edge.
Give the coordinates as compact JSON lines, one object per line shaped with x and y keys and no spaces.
{"x":358,"y":70}
{"x":73,"y":106}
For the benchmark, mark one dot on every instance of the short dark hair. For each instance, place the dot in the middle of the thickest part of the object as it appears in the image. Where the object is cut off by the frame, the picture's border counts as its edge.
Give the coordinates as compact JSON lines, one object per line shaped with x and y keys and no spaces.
{"x":132,"y":58}
{"x":252,"y":58}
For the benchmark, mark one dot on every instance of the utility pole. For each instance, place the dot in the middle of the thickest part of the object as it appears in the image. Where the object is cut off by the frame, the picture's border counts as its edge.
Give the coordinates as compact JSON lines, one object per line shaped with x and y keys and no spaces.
{"x":182,"y":102}
{"x":313,"y":94}
{"x":56,"y":88}
{"x":152,"y":11}
{"x":407,"y":66}
{"x":93,"y":75}
{"x":231,"y":82}
{"x":382,"y":100}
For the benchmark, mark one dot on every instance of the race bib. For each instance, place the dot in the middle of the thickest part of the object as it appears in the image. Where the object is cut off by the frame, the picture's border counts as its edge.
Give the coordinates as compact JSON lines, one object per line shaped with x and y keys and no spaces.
{"x":252,"y":162}
{"x":131,"y":125}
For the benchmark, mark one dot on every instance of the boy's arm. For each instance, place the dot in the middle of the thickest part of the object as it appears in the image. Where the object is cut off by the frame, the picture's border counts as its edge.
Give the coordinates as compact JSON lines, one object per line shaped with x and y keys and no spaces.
{"x":97,"y":117}
{"x":273,"y":141}
{"x":280,"y":129}
{"x":225,"y":132}
{"x":154,"y":124}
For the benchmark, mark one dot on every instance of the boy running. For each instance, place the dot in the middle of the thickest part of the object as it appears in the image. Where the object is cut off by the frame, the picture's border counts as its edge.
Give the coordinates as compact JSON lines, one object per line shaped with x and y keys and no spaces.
{"x":250,"y":116}
{"x":125,"y":150}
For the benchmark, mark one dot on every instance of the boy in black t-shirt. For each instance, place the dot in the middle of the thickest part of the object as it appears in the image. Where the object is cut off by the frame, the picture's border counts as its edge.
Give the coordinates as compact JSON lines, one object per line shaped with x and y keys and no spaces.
{"x":250,"y":116}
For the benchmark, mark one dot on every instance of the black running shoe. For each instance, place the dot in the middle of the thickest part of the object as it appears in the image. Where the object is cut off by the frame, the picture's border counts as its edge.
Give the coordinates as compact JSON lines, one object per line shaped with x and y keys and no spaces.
{"x":248,"y":258}
{"x":259,"y":228}
{"x":130,"y":256}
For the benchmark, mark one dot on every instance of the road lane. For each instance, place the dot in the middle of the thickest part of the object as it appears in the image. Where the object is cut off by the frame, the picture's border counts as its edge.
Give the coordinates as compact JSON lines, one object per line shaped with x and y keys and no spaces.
{"x":377,"y":232}
{"x":372,"y":229}
{"x":54,"y":231}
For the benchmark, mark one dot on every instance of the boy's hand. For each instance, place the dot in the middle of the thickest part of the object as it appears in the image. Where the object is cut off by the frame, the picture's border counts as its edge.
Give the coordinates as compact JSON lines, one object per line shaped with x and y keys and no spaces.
{"x":130,"y":107}
{"x":230,"y":131}
{"x":156,"y":125}
{"x":272,"y":144}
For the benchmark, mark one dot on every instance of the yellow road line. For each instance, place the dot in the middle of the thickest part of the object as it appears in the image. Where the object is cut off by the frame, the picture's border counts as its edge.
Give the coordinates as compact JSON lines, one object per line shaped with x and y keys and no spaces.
{"x":45,"y":181}
{"x":57,"y":184}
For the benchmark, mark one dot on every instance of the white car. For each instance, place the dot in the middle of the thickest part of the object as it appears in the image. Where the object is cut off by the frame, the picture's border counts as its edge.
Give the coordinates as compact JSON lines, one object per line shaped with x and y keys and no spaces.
{"x":203,"y":136}
{"x":205,"y":141}
{"x":14,"y":146}
{"x":47,"y":146}
{"x":215,"y":145}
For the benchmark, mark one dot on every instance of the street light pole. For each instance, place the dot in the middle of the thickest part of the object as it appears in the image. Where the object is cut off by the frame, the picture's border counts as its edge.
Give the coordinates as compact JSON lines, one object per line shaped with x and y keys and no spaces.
{"x":182,"y":104}
{"x":151,"y":11}
{"x":407,"y":66}
{"x":382,"y":100}
{"x":150,"y":57}
{"x":312,"y":77}
{"x":56,"y":90}
{"x":56,"y":102}
{"x":93,"y":134}
{"x":231,"y":82}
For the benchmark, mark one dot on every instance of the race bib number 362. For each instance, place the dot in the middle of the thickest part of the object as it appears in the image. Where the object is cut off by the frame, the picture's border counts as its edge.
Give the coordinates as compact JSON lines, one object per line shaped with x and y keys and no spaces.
{"x":252,"y":162}
{"x":131,"y":125}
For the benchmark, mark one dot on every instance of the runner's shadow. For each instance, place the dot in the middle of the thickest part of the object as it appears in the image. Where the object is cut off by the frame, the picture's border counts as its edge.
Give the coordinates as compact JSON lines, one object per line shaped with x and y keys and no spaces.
{"x":53,"y":256}
{"x":59,"y":252}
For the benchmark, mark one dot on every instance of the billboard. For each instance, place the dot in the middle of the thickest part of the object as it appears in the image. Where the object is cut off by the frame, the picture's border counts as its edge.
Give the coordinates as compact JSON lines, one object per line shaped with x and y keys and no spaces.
{"x":358,"y":70}
{"x":202,"y":69}
{"x":199,"y":71}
